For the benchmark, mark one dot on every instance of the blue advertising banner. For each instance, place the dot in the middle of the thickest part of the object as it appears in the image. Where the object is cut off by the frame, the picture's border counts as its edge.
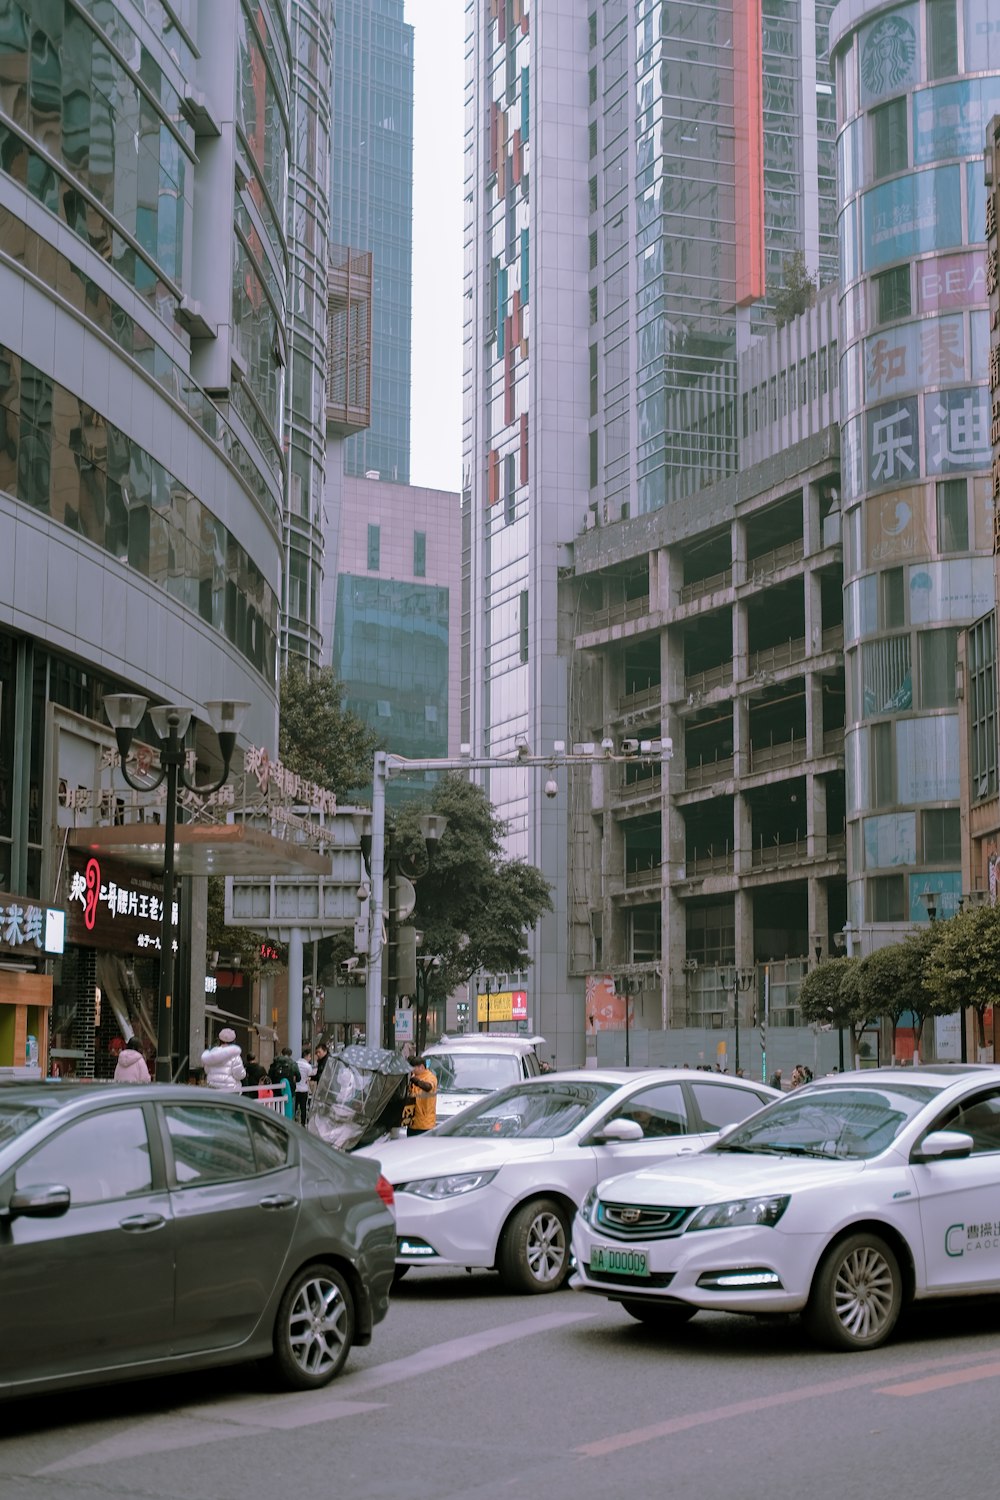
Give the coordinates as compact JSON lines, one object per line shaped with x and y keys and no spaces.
{"x":909,"y":215}
{"x":951,"y":118}
{"x":893,"y":453}
{"x":945,"y":884}
{"x":957,"y":423}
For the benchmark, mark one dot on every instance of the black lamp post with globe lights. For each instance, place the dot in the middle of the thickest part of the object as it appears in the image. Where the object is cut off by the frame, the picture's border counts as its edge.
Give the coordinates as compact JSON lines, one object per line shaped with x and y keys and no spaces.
{"x":170,"y":722}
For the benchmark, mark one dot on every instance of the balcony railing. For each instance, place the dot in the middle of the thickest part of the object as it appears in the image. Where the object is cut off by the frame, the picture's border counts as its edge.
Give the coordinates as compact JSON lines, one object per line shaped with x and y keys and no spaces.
{"x":714,"y":677}
{"x":707,"y":772}
{"x":833,"y":742}
{"x":701,"y":587}
{"x":641,"y":700}
{"x":772,"y":658}
{"x":772,"y":757}
{"x":833,"y":638}
{"x":648,"y":875}
{"x":767,"y":563}
{"x":710,"y":862}
{"x":639,"y":789}
{"x":616,"y":614}
{"x":771,"y":855}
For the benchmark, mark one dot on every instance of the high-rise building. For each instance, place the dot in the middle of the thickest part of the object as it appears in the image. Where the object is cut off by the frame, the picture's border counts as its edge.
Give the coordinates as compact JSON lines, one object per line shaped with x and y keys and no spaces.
{"x":638,"y":174}
{"x":143,"y":315}
{"x":917,"y":85}
{"x":311,"y":28}
{"x":371,"y":208}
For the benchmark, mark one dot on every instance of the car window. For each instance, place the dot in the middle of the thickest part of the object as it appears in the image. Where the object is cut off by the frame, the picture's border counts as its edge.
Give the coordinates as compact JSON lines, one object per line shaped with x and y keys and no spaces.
{"x":978,"y":1117}
{"x":272,"y":1145}
{"x":540,"y":1110}
{"x":474,"y":1072}
{"x":209,"y":1143}
{"x":720,"y":1106}
{"x":660,"y":1111}
{"x":100,"y":1158}
{"x":15,"y":1119}
{"x":848,"y":1121}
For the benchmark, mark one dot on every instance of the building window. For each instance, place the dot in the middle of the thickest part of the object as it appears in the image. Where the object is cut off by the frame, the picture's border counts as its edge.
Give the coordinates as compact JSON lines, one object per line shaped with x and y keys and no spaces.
{"x":892,"y":294}
{"x":885,"y":899}
{"x":593,"y":380}
{"x":522,"y":626}
{"x":593,"y":195}
{"x":982,"y":701}
{"x":374,"y":548}
{"x":889,"y":152}
{"x":953,"y":516}
{"x":593,"y":461}
{"x":593,"y":138}
{"x":893,"y":583}
{"x":942,"y":40}
{"x":420,"y":554}
{"x":942,"y":835}
{"x":509,"y":488}
{"x":938,"y":651}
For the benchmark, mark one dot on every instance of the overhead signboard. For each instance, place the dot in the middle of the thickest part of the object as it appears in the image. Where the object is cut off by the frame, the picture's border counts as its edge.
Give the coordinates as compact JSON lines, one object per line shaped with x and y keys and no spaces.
{"x":502,"y":1005}
{"x":111,"y":906}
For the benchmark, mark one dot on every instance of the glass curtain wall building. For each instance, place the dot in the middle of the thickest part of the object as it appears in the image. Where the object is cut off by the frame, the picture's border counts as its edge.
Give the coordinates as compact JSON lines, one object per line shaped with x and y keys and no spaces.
{"x":308,"y":241}
{"x":371,"y":208}
{"x":637,"y":174}
{"x":917,"y":85}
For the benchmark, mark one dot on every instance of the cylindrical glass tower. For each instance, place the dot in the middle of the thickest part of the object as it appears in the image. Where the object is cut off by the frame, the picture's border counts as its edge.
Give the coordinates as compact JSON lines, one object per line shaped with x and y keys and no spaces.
{"x":913,"y":99}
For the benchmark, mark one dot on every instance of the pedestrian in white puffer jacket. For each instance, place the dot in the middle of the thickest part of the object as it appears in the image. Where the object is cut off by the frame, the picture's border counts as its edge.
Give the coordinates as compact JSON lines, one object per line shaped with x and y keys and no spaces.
{"x":223,"y":1063}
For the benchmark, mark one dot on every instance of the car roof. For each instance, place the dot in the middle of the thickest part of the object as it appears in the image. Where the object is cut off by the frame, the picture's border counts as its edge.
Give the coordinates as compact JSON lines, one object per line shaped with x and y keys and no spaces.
{"x":931,"y":1075}
{"x":619,"y":1076}
{"x":483,"y":1042}
{"x":65,"y":1092}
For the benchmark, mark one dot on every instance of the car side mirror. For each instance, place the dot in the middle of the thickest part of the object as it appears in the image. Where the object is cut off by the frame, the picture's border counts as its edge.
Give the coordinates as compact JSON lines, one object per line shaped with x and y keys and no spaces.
{"x":943,"y":1145}
{"x":41,"y":1202}
{"x":616,"y":1130}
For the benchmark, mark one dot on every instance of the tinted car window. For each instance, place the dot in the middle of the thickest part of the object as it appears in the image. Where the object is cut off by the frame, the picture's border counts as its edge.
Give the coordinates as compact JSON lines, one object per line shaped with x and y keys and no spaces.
{"x":660,"y":1111}
{"x":210,"y":1144}
{"x":474,"y":1072}
{"x":99,"y":1158}
{"x":15,"y":1119}
{"x":538,"y":1110}
{"x":271,"y":1144}
{"x":978,"y":1117}
{"x":852,"y":1121}
{"x":719,"y":1106}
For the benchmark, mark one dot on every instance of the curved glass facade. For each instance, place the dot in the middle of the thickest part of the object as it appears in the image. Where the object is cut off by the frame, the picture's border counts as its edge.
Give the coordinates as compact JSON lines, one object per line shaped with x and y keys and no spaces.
{"x":915,"y":432}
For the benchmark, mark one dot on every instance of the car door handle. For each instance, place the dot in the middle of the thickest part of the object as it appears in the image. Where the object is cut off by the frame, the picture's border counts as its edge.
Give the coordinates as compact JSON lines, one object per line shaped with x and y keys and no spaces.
{"x":139,"y":1223}
{"x":279,"y":1200}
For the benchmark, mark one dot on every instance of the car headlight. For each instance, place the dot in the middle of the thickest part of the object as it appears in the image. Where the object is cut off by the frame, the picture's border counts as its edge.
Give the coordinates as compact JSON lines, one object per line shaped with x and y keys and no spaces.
{"x":587,"y":1206}
{"x":741,"y":1212}
{"x":446,"y":1187}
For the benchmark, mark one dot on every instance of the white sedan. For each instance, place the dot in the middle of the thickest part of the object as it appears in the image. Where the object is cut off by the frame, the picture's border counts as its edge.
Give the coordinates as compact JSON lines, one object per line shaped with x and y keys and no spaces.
{"x":497,"y":1186}
{"x":844,"y":1201}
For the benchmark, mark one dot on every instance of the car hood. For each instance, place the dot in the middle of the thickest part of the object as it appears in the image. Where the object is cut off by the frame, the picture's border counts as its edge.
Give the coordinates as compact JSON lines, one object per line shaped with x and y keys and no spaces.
{"x":715,"y":1177}
{"x":438,"y":1156}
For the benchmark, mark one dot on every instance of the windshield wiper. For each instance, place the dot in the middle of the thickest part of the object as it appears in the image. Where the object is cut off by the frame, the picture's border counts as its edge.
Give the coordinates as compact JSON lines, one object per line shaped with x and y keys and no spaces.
{"x":801,"y":1151}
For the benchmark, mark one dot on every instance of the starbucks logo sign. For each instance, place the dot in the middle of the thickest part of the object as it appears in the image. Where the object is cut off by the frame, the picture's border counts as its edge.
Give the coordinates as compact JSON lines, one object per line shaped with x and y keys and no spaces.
{"x":888,"y":55}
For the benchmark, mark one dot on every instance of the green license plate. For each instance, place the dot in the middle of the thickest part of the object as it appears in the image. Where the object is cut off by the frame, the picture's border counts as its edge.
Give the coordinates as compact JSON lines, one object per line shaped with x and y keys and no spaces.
{"x":619,"y":1262}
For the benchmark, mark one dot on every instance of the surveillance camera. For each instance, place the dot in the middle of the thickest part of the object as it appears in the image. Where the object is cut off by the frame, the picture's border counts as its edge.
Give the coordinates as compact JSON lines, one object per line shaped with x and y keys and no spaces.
{"x":350,"y":964}
{"x":551,"y":788}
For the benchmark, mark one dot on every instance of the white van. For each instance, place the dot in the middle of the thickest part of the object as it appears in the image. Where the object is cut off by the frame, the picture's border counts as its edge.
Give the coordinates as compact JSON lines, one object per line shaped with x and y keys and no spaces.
{"x":477,"y":1063}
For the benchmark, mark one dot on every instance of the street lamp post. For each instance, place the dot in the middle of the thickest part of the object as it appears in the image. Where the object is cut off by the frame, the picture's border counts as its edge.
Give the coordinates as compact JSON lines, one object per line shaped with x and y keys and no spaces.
{"x":125,"y":713}
{"x":742,"y":980}
{"x":386,"y":765}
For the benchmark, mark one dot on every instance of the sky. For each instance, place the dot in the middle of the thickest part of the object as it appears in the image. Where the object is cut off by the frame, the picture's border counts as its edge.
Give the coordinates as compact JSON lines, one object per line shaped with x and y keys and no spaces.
{"x":436,"y":386}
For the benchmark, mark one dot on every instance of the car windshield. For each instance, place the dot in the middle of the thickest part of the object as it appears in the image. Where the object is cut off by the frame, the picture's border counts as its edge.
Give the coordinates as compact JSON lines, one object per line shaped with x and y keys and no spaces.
{"x":474,"y":1072}
{"x":536,"y":1111}
{"x":851,"y":1122}
{"x":15,"y":1119}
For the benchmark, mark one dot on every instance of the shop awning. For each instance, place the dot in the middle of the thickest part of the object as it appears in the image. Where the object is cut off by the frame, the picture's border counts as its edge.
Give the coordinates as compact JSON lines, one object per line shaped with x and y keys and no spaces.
{"x":203,"y":849}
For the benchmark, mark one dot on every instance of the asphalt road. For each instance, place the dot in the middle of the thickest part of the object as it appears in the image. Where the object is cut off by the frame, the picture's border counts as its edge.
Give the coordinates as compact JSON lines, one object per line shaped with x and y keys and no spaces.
{"x":467,"y":1393}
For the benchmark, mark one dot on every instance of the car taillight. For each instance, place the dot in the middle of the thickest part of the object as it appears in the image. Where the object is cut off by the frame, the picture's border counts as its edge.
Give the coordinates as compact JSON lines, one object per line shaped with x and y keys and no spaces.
{"x":384,"y":1189}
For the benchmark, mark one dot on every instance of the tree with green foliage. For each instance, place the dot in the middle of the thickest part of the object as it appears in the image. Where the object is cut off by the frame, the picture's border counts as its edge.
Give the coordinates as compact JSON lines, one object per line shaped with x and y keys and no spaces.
{"x":830,"y":996}
{"x":318,"y":737}
{"x":891,"y":982}
{"x":796,"y":292}
{"x":474,"y":908}
{"x":963,"y":964}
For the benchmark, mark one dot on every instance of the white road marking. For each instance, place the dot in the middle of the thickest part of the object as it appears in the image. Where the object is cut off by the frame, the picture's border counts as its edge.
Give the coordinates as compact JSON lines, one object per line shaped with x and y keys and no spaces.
{"x":189,"y":1427}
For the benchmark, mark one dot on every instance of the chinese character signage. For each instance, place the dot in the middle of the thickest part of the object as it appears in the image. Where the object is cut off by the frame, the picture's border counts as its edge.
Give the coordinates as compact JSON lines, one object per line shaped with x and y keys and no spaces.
{"x":502,"y":1005}
{"x":958,"y":430}
{"x":112,"y":906}
{"x":908,"y":215}
{"x":28,"y":929}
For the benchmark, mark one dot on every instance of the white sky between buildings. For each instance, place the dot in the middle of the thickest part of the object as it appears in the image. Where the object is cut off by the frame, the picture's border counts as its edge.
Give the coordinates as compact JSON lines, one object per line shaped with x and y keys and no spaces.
{"x":438,"y":125}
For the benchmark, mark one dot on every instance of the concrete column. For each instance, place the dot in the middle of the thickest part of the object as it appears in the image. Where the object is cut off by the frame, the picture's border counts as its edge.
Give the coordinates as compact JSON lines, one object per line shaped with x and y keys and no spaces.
{"x":743,"y":833}
{"x":296,"y":945}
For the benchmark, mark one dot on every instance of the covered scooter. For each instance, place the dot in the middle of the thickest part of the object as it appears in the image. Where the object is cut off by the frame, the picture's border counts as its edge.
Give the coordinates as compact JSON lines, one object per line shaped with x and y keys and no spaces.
{"x":360,"y":1096}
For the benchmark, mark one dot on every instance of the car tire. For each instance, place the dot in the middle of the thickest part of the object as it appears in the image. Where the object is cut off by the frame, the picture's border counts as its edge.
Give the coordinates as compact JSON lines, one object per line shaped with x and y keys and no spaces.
{"x":857,"y":1294}
{"x":664,"y":1317}
{"x":534,"y":1253}
{"x":314,"y":1329}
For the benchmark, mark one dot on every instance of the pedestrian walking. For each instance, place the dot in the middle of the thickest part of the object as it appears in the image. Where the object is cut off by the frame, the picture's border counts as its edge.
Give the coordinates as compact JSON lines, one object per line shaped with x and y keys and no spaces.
{"x":423,"y":1087}
{"x":319,"y":1059}
{"x":223,"y":1063}
{"x":285,"y":1075}
{"x":775,"y":1079}
{"x":305,"y":1072}
{"x":131,"y":1065}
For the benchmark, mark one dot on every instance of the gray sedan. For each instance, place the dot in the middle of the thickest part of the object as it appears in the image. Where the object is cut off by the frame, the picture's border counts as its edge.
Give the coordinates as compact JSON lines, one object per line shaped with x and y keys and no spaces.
{"x":149,"y":1230}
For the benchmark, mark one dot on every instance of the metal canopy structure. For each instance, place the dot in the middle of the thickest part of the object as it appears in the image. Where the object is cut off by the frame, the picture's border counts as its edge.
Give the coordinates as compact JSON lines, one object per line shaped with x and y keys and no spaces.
{"x":204,"y":849}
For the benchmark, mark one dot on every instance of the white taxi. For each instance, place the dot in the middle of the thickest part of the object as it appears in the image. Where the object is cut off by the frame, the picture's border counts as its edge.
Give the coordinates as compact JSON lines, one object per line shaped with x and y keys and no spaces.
{"x":843,"y":1201}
